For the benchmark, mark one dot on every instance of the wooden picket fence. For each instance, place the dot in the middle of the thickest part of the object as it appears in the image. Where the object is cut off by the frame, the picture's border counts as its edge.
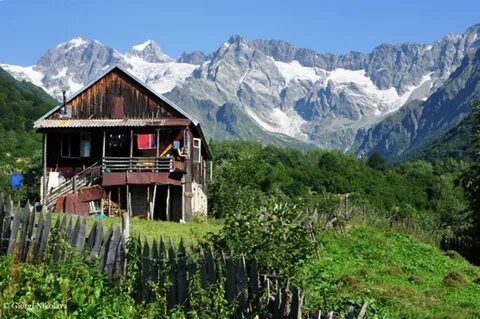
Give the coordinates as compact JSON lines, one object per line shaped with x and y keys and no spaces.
{"x":27,"y":235}
{"x":467,"y":247}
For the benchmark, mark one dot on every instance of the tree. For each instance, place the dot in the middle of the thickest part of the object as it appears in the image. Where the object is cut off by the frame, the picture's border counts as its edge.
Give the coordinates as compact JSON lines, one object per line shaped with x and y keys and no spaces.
{"x":376,"y":161}
{"x":471,"y":179}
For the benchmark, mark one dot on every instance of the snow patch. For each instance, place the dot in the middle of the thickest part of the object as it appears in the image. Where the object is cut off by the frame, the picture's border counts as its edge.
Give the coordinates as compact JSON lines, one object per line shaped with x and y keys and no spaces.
{"x":343,"y":78}
{"x":280,"y":122}
{"x":296,"y":71}
{"x":24,"y":73}
{"x":73,"y":86}
{"x":162,"y":77}
{"x":74,"y":43}
{"x":142,"y":46}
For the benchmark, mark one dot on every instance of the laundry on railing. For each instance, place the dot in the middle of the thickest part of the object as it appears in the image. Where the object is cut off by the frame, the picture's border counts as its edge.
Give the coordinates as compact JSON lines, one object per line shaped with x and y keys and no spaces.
{"x":146,"y":141}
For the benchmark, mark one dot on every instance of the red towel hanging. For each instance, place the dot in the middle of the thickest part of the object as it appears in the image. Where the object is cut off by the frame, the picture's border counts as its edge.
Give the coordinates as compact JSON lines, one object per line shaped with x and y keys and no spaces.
{"x":146,"y":141}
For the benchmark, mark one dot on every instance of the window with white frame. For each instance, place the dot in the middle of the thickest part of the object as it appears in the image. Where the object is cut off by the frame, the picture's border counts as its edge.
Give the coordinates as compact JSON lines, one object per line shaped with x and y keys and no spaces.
{"x":197,"y":150}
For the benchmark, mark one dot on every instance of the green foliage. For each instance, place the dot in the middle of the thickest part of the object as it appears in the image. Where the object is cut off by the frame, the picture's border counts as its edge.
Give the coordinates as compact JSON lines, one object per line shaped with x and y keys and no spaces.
{"x":74,"y":286}
{"x":471,"y":178}
{"x":277,"y":235}
{"x":21,"y":103}
{"x":245,"y":174}
{"x":208,"y":302}
{"x":78,"y":290}
{"x":399,"y":277}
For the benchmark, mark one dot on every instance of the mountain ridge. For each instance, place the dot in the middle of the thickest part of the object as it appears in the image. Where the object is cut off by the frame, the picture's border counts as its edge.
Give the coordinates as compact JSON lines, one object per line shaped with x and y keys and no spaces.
{"x":276,"y":90}
{"x":414,"y":127}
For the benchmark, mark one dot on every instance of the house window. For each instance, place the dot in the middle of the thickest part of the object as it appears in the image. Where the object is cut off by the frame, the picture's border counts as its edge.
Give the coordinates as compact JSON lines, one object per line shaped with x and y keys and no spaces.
{"x":186,"y":143}
{"x":75,"y":145}
{"x":85,"y":144}
{"x":197,"y":150}
{"x":209,"y":169}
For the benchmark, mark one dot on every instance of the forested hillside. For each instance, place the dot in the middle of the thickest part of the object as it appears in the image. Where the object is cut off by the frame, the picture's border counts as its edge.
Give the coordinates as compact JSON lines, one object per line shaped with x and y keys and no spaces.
{"x":417,"y":189}
{"x":21,"y":103}
{"x":456,"y":144}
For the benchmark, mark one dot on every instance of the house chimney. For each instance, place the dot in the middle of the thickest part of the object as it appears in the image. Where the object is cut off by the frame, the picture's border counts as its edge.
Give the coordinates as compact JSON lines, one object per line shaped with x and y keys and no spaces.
{"x":64,"y":98}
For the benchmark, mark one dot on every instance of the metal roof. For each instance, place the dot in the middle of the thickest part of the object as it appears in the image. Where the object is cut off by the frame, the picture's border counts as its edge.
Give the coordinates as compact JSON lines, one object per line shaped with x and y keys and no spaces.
{"x":75,"y":123}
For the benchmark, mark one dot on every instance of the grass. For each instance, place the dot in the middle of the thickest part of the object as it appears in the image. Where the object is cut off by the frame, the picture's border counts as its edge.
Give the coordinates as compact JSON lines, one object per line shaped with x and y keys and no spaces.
{"x":400,"y":276}
{"x":191,"y":232}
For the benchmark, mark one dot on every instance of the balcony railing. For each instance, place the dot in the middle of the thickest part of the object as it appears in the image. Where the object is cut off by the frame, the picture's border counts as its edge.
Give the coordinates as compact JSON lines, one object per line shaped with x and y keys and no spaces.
{"x":137,"y":164}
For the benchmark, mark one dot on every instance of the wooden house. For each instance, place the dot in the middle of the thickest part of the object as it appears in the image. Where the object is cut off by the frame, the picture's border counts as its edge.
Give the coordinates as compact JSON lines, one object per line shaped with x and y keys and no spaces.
{"x":118,"y":146}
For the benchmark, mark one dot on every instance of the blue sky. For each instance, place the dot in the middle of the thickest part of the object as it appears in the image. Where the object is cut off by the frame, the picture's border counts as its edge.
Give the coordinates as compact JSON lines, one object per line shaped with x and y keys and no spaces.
{"x":29,"y":28}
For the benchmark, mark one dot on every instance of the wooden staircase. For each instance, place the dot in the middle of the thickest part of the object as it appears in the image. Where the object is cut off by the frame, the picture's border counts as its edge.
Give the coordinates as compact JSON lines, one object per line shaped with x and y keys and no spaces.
{"x":83,"y":179}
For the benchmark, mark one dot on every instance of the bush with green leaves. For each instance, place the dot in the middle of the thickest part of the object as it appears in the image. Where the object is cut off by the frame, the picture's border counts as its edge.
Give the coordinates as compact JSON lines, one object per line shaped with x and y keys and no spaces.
{"x":279,"y":236}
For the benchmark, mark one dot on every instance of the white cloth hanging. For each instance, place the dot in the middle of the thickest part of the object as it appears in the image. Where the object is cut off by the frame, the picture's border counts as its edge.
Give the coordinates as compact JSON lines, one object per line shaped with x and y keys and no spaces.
{"x":53,"y":180}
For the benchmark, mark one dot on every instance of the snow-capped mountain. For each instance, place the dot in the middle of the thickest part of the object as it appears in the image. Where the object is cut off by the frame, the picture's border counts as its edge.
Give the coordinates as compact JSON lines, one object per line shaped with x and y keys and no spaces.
{"x":268,"y":90}
{"x":149,"y":51}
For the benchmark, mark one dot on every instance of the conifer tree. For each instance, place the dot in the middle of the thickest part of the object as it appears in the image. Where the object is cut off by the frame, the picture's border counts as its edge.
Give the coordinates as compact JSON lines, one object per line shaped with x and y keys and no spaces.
{"x":471,"y":180}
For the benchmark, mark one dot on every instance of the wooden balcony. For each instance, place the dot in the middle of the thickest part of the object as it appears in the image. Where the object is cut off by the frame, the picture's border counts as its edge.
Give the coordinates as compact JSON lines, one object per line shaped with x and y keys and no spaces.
{"x":137,"y":164}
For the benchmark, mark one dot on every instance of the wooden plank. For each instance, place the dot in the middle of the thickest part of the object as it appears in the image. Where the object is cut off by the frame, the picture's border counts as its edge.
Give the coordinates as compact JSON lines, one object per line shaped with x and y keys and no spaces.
{"x":63,"y":224}
{"x":14,"y":226}
{"x":91,"y":236}
{"x":2,"y":222}
{"x":286,"y":300}
{"x":191,"y":271}
{"x":30,"y":228}
{"x":111,"y":253}
{"x":181,"y":275}
{"x":23,"y":231}
{"x":168,"y":204}
{"x":45,"y":234}
{"x":162,"y":269}
{"x":154,"y":272}
{"x":241,"y":282}
{"x":145,"y":293}
{"x":277,"y":303}
{"x":36,"y":238}
{"x":211,"y":267}
{"x":297,"y":303}
{"x":254,"y":284}
{"x":103,"y":251}
{"x":69,"y":230}
{"x":97,"y":243}
{"x":82,"y":233}
{"x":2,"y":216}
{"x":202,"y":264}
{"x":56,"y":245}
{"x":44,"y":164}
{"x":350,"y":314}
{"x":230,"y":288}
{"x":172,"y":266}
{"x":66,"y":220}
{"x":120,"y":265}
{"x":363,"y":310}
{"x":76,"y":230}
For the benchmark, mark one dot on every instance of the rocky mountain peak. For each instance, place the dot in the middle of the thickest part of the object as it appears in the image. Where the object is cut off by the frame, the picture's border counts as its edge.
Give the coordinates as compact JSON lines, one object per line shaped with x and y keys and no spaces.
{"x":193,"y":57}
{"x":149,"y":51}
